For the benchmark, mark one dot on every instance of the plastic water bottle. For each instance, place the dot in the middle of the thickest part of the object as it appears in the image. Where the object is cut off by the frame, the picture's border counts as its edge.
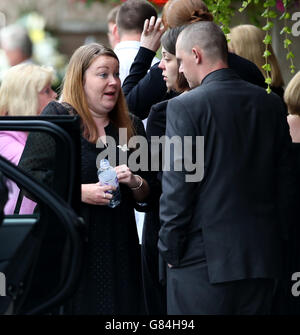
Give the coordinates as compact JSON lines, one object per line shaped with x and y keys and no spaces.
{"x":108,"y":176}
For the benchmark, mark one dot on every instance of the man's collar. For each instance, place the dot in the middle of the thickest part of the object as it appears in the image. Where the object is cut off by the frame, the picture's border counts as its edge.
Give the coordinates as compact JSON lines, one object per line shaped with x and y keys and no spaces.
{"x":220,"y":74}
{"x":127,"y":44}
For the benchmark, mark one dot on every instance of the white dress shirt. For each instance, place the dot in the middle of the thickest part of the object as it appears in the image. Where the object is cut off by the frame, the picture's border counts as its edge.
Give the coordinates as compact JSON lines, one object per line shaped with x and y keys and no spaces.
{"x":126,"y":52}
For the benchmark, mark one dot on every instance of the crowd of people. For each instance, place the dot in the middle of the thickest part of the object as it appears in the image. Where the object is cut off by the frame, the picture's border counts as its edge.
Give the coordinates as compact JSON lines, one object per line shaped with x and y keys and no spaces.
{"x":222,"y":241}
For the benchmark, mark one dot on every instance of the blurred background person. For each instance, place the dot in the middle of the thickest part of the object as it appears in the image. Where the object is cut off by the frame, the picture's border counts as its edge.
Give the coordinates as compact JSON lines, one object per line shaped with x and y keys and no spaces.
{"x":246,"y":40}
{"x":25,"y":91}
{"x":113,"y":35}
{"x":16,"y":44}
{"x":130,"y":23}
{"x":284,"y":302}
{"x":292,"y":100}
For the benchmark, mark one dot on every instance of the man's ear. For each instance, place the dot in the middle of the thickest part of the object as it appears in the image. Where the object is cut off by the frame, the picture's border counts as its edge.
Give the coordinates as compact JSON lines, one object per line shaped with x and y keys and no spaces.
{"x":197,"y":55}
{"x":115,"y":33}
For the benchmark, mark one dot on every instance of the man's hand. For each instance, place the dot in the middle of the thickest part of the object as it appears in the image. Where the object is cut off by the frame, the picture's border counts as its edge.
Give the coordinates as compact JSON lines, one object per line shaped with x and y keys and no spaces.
{"x":152,"y":33}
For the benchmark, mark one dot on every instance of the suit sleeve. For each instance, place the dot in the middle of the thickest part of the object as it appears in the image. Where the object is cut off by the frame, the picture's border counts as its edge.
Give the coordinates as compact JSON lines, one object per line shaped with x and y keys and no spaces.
{"x":176,"y":203}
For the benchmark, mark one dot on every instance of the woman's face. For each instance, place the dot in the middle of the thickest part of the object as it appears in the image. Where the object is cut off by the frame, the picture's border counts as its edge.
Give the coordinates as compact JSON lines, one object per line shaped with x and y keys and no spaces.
{"x":102,"y":85}
{"x":44,"y":97}
{"x":169,"y":66}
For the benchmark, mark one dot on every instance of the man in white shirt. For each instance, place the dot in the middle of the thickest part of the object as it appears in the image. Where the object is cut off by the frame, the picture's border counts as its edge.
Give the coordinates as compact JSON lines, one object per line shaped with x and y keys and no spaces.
{"x":130,"y":22}
{"x":112,"y":34}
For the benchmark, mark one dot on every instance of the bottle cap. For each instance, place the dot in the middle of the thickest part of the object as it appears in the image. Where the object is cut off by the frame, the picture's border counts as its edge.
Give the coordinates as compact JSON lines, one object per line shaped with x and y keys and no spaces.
{"x":104,"y":164}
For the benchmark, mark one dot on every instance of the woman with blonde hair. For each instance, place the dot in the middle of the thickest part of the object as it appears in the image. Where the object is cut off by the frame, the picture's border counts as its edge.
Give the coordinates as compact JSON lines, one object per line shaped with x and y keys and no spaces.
{"x":111,"y":275}
{"x":25,"y":91}
{"x":246,"y":41}
{"x":292,"y":100}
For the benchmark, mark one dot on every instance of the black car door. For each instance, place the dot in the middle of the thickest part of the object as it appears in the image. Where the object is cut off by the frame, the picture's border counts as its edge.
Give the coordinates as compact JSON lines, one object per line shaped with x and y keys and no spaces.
{"x":40,"y":252}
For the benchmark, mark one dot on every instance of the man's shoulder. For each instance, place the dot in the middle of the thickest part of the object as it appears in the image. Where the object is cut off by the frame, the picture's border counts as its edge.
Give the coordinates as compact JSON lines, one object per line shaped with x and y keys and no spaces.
{"x":216,"y":92}
{"x":196,"y":94}
{"x":125,"y":46}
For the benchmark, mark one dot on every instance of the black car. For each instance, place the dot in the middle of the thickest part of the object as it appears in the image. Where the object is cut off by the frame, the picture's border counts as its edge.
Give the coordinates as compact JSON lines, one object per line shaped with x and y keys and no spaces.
{"x":40,"y":254}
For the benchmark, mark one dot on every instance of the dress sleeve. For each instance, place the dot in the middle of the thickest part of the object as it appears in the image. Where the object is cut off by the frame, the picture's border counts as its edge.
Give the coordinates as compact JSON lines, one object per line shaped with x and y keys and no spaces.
{"x":145,"y":168}
{"x":38,"y":158}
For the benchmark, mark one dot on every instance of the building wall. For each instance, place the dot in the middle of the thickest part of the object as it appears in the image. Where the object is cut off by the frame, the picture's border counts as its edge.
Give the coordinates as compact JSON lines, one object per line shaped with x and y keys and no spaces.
{"x":71,"y":22}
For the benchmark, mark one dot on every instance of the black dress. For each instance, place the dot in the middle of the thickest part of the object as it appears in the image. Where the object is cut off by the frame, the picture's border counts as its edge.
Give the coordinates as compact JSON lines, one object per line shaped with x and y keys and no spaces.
{"x":110,"y":282}
{"x":111,"y":277}
{"x":152,"y":266}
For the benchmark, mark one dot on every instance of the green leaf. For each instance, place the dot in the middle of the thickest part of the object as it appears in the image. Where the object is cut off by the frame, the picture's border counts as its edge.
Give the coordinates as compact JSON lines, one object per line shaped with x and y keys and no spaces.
{"x":282,"y":16}
{"x":267,"y":39}
{"x":290,"y":55}
{"x":267,"y":67}
{"x":244,"y":6}
{"x":267,"y":53}
{"x":268,"y":81}
{"x":287,"y":42}
{"x":286,"y":30}
{"x":268,"y":26}
{"x":265,"y":13}
{"x":269,"y":3}
{"x":272,"y":14}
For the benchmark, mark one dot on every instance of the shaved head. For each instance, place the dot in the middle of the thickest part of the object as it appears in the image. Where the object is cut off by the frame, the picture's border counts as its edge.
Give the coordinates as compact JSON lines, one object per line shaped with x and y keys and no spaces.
{"x":208,"y":37}
{"x":201,"y":48}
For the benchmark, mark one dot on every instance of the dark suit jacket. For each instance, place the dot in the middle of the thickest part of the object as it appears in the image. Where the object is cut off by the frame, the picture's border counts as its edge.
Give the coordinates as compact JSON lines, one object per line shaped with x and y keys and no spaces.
{"x":231,"y":217}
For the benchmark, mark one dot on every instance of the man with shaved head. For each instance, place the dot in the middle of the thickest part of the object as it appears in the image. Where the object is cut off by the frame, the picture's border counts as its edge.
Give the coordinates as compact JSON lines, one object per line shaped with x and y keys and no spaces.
{"x":221,"y":232}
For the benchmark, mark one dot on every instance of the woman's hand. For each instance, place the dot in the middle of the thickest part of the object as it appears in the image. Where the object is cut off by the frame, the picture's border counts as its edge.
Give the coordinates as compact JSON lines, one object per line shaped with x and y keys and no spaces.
{"x":125,"y":176}
{"x":139,"y":186}
{"x":94,"y":194}
{"x":152,"y":33}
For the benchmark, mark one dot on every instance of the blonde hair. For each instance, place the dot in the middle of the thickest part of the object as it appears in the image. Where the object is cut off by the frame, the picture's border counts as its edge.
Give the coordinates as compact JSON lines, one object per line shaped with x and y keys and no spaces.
{"x":73,"y":91}
{"x":247,"y":41}
{"x":20,"y":87}
{"x":292,"y":95}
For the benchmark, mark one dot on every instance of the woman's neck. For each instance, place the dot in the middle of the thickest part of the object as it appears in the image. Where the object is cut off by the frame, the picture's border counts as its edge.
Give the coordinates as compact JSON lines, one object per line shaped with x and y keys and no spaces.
{"x":101,"y":121}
